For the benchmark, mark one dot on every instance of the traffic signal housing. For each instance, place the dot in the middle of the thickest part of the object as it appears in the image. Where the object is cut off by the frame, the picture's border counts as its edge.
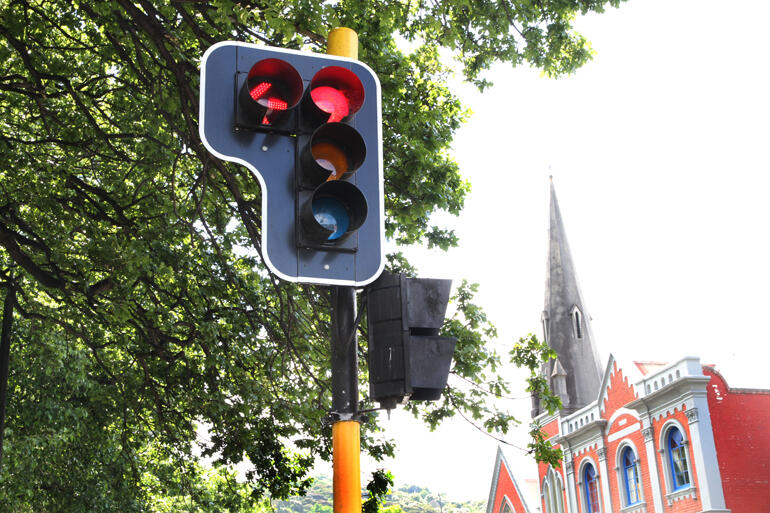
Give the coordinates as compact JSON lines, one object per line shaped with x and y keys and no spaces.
{"x":408,"y":360}
{"x":308,"y":126}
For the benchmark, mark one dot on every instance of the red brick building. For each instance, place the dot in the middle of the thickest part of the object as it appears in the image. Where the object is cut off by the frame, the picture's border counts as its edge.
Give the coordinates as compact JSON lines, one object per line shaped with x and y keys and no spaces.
{"x":649,"y":437}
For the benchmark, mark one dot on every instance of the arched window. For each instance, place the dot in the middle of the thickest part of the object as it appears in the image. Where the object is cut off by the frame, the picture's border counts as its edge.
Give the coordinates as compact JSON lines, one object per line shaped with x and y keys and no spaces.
{"x":591,"y":485}
{"x":506,"y":507}
{"x":577,"y":322}
{"x":553,"y":492}
{"x":677,"y":459}
{"x":631,"y":477}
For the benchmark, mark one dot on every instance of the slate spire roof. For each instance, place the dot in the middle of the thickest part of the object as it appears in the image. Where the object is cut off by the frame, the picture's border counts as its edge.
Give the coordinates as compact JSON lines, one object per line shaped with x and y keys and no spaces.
{"x":567,"y":324}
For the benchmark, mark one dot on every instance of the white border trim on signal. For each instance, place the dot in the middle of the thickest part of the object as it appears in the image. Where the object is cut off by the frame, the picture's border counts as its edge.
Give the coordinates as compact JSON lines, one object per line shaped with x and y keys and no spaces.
{"x":255,"y":171}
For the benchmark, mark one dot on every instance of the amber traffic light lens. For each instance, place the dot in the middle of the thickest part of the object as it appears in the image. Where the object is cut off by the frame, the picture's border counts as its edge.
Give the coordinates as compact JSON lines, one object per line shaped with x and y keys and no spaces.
{"x":334,"y":150}
{"x":331,"y":157}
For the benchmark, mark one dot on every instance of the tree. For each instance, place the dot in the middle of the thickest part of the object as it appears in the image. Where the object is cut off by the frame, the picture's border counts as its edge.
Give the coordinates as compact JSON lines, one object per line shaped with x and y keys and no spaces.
{"x":143,"y":315}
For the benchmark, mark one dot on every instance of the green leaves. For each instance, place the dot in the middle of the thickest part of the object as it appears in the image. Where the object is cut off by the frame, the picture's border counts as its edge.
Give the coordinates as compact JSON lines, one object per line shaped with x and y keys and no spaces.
{"x":143,"y":309}
{"x":377,"y":488}
{"x":532,"y":354}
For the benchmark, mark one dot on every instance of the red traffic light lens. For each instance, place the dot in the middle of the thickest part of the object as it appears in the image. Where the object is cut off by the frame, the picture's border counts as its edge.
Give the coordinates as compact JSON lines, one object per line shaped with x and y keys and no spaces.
{"x":262,"y":94}
{"x":332,"y":101}
{"x":272,"y":87}
{"x":337,"y":92}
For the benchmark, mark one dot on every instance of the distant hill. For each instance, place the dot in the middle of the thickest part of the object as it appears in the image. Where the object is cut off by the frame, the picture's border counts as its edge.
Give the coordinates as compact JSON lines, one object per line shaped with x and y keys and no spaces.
{"x":406,"y":499}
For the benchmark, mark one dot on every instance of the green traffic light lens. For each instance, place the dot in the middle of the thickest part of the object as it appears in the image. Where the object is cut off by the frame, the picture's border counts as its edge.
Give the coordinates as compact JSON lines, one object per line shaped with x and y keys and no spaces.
{"x":332,"y":215}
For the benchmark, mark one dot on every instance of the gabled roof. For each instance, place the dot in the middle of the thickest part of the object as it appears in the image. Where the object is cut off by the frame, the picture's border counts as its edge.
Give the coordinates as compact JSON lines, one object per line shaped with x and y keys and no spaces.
{"x":504,"y":487}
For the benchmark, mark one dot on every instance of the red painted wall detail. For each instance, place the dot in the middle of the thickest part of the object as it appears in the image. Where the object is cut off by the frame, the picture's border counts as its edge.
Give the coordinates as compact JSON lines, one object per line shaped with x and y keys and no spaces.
{"x":619,"y":393}
{"x":552,"y":428}
{"x":740,"y":420}
{"x":506,"y":489}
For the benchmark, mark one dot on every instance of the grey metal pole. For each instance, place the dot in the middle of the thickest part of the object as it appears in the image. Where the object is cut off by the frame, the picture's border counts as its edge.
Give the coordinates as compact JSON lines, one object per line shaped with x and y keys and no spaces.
{"x":344,"y":352}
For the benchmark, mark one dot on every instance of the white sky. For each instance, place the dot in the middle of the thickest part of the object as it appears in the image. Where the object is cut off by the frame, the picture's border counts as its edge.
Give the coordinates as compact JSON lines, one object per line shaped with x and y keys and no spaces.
{"x":659,"y":152}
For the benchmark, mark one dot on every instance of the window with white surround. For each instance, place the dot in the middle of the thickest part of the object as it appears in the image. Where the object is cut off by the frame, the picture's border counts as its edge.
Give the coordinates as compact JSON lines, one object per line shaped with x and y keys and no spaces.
{"x":553,"y":492}
{"x":631,"y":487}
{"x":590,"y":489}
{"x":675,"y":456}
{"x":506,"y":506}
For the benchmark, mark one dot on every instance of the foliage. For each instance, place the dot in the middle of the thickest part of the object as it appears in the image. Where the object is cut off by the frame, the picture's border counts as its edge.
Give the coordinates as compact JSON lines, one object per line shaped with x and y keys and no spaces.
{"x":377,"y":489}
{"x":143,"y":313}
{"x":405,"y":499}
{"x":531,"y":353}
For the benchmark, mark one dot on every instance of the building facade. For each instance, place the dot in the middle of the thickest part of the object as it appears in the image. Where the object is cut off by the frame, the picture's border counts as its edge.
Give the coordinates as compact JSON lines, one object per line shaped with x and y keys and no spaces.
{"x":648,"y":437}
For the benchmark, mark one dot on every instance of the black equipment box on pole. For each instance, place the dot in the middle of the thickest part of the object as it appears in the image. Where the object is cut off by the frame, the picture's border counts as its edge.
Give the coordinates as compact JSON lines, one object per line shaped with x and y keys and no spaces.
{"x":407,"y":357}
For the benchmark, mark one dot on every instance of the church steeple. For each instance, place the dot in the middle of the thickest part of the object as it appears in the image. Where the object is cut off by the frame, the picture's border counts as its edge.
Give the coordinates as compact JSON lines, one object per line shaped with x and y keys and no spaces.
{"x":567,"y":325}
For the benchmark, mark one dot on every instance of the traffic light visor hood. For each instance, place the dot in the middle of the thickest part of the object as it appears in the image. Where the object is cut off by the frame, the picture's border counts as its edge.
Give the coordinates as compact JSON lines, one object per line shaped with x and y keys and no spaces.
{"x":336,"y":209}
{"x":335,"y":149}
{"x":272,"y":88}
{"x":335,"y":94}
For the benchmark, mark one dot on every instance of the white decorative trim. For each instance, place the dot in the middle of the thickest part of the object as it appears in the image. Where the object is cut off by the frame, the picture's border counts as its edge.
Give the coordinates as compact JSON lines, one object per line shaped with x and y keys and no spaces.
{"x":618,"y":413}
{"x":678,"y":495}
{"x":639,"y":507}
{"x":663,"y":433}
{"x":623,"y":432}
{"x":506,"y":502}
{"x":581,"y":468}
{"x":586,"y":448}
{"x":602,"y":453}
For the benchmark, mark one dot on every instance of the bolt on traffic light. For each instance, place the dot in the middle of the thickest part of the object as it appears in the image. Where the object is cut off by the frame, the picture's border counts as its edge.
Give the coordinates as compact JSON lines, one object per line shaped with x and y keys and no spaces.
{"x":408,"y":360}
{"x":309,"y":127}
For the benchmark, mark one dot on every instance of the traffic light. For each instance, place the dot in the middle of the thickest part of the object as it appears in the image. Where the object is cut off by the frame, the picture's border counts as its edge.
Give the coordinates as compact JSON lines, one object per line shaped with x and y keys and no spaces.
{"x":308,"y":126}
{"x":408,"y":360}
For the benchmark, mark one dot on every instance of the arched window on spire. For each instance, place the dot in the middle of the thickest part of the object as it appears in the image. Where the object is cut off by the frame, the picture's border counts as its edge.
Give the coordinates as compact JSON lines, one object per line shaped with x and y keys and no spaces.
{"x":577,"y":322}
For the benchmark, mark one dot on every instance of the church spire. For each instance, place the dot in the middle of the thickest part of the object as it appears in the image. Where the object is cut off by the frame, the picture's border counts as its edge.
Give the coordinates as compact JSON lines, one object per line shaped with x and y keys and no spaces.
{"x":567,"y":325}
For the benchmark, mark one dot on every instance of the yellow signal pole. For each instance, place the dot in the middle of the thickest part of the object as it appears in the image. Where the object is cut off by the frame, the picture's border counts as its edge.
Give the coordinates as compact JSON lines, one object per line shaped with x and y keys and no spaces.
{"x":346,"y":430}
{"x":346,"y":456}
